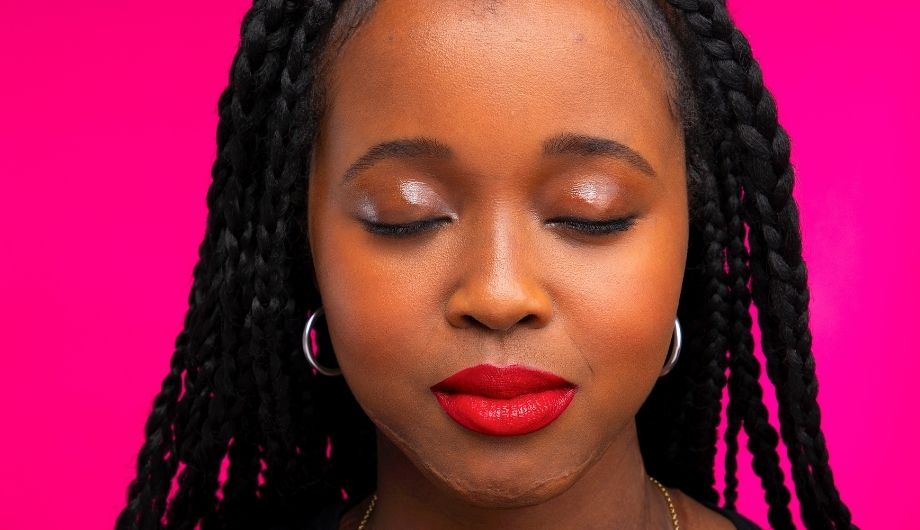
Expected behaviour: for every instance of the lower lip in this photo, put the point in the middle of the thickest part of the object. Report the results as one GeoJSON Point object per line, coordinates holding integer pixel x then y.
{"type": "Point", "coordinates": [506, 417]}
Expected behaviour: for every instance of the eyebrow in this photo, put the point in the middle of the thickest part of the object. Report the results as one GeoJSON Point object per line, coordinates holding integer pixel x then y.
{"type": "Point", "coordinates": [558, 145]}
{"type": "Point", "coordinates": [585, 145]}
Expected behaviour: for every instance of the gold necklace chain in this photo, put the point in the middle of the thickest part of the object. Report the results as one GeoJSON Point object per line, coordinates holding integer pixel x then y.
{"type": "Point", "coordinates": [367, 514]}
{"type": "Point", "coordinates": [667, 498]}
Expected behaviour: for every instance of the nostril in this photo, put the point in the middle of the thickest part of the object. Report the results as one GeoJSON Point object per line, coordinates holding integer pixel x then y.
{"type": "Point", "coordinates": [526, 320]}
{"type": "Point", "coordinates": [473, 321]}
{"type": "Point", "coordinates": [530, 317]}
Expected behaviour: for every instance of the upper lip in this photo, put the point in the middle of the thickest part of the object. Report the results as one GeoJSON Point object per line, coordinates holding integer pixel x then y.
{"type": "Point", "coordinates": [500, 382]}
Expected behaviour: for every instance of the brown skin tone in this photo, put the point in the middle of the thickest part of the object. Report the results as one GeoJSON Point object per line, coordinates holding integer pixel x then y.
{"type": "Point", "coordinates": [499, 280]}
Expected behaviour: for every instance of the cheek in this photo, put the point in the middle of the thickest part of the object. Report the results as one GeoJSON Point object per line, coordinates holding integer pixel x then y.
{"type": "Point", "coordinates": [380, 318]}
{"type": "Point", "coordinates": [619, 308]}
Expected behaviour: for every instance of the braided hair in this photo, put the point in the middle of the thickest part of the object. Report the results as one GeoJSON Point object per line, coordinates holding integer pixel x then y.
{"type": "Point", "coordinates": [242, 428]}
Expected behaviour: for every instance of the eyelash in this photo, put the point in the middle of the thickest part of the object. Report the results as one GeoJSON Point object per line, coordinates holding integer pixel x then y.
{"type": "Point", "coordinates": [594, 228]}
{"type": "Point", "coordinates": [405, 229]}
{"type": "Point", "coordinates": [605, 227]}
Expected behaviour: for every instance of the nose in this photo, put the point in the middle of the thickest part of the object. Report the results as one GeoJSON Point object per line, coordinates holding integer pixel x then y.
{"type": "Point", "coordinates": [499, 286]}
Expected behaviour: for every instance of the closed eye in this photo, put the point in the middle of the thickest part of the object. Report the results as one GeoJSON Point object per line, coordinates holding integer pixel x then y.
{"type": "Point", "coordinates": [603, 227]}
{"type": "Point", "coordinates": [587, 226]}
{"type": "Point", "coordinates": [403, 230]}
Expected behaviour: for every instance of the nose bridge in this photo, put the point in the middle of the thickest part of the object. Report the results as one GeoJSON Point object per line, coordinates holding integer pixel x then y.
{"type": "Point", "coordinates": [502, 259]}
{"type": "Point", "coordinates": [500, 285]}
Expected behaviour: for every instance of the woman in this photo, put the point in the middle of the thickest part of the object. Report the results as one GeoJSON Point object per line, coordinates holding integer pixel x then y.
{"type": "Point", "coordinates": [509, 237]}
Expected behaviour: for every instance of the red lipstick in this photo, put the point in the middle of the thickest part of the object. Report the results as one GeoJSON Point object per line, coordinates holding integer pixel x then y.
{"type": "Point", "coordinates": [503, 401]}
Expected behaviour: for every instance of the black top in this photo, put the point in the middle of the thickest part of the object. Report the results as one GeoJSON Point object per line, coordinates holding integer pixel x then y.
{"type": "Point", "coordinates": [328, 519]}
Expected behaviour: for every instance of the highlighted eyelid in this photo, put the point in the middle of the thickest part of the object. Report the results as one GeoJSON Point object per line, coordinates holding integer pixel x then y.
{"type": "Point", "coordinates": [411, 195]}
{"type": "Point", "coordinates": [418, 193]}
{"type": "Point", "coordinates": [593, 191]}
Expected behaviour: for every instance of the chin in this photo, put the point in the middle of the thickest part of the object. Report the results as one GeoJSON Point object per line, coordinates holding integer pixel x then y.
{"type": "Point", "coordinates": [503, 496]}
{"type": "Point", "coordinates": [491, 486]}
{"type": "Point", "coordinates": [492, 473]}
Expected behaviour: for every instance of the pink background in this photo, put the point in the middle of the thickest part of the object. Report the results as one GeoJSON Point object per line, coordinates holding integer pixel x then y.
{"type": "Point", "coordinates": [107, 138]}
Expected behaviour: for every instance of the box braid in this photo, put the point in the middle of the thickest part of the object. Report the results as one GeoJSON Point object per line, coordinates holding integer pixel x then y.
{"type": "Point", "coordinates": [239, 391]}
{"type": "Point", "coordinates": [779, 280]}
{"type": "Point", "coordinates": [745, 393]}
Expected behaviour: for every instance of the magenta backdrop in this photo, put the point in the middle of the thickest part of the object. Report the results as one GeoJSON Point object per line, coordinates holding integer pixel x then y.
{"type": "Point", "coordinates": [107, 138]}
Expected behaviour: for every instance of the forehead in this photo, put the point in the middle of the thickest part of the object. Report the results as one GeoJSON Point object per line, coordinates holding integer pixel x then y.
{"type": "Point", "coordinates": [497, 76]}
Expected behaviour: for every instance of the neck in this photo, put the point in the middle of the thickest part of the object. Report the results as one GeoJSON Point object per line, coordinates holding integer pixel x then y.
{"type": "Point", "coordinates": [614, 492]}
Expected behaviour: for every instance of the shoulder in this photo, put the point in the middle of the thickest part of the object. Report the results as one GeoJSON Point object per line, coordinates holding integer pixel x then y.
{"type": "Point", "coordinates": [697, 515]}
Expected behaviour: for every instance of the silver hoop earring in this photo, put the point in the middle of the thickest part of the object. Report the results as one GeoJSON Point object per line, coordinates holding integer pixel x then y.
{"type": "Point", "coordinates": [674, 352]}
{"type": "Point", "coordinates": [308, 351]}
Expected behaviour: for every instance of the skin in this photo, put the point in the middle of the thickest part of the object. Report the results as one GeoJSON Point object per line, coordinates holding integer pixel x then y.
{"type": "Point", "coordinates": [499, 280]}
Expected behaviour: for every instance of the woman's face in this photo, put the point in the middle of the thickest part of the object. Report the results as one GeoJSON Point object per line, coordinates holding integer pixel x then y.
{"type": "Point", "coordinates": [498, 279]}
